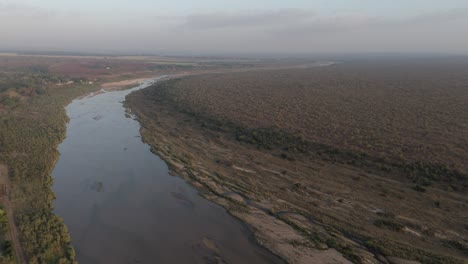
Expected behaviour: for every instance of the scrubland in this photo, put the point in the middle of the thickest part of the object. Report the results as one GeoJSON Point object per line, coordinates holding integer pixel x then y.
{"type": "Point", "coordinates": [34, 90]}
{"type": "Point", "coordinates": [358, 162]}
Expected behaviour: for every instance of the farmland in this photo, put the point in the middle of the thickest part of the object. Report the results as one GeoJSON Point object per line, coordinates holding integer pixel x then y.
{"type": "Point", "coordinates": [364, 159]}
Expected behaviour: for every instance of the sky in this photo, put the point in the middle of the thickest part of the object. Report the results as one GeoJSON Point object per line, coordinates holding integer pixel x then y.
{"type": "Point", "coordinates": [217, 27]}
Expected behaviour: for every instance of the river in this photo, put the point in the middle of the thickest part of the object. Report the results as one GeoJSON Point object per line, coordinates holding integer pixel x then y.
{"type": "Point", "coordinates": [121, 205]}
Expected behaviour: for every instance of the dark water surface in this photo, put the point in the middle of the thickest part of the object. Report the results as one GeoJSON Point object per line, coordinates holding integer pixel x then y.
{"type": "Point", "coordinates": [121, 205]}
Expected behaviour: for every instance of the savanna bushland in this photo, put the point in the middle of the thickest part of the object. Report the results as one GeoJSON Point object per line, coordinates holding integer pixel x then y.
{"type": "Point", "coordinates": [368, 159]}
{"type": "Point", "coordinates": [34, 91]}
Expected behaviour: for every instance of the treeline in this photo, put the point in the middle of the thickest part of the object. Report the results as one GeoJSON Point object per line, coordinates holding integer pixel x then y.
{"type": "Point", "coordinates": [171, 67]}
{"type": "Point", "coordinates": [30, 132]}
{"type": "Point", "coordinates": [423, 173]}
{"type": "Point", "coordinates": [45, 238]}
{"type": "Point", "coordinates": [420, 173]}
{"type": "Point", "coordinates": [34, 79]}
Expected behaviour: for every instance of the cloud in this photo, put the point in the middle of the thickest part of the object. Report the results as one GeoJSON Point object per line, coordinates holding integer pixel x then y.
{"type": "Point", "coordinates": [282, 30]}
{"type": "Point", "coordinates": [246, 20]}
{"type": "Point", "coordinates": [307, 31]}
{"type": "Point", "coordinates": [437, 17]}
{"type": "Point", "coordinates": [13, 12]}
{"type": "Point", "coordinates": [296, 21]}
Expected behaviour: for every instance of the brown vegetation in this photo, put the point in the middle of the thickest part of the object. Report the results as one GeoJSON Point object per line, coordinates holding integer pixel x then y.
{"type": "Point", "coordinates": [33, 93]}
{"type": "Point", "coordinates": [413, 113]}
{"type": "Point", "coordinates": [365, 159]}
{"type": "Point", "coordinates": [32, 124]}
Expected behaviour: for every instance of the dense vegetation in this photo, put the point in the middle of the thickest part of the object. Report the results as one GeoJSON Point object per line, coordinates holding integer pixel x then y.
{"type": "Point", "coordinates": [32, 124]}
{"type": "Point", "coordinates": [6, 250]}
{"type": "Point", "coordinates": [402, 123]}
{"type": "Point", "coordinates": [419, 172]}
{"type": "Point", "coordinates": [373, 152]}
{"type": "Point", "coordinates": [33, 94]}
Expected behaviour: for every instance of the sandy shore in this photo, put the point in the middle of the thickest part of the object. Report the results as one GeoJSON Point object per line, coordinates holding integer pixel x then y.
{"type": "Point", "coordinates": [119, 85]}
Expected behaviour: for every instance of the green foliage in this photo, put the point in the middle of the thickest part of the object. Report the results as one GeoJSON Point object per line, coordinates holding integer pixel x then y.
{"type": "Point", "coordinates": [29, 136]}
{"type": "Point", "coordinates": [45, 237]}
{"type": "Point", "coordinates": [3, 221]}
{"type": "Point", "coordinates": [7, 250]}
{"type": "Point", "coordinates": [387, 224]}
{"type": "Point", "coordinates": [28, 80]}
{"type": "Point", "coordinates": [388, 248]}
{"type": "Point", "coordinates": [462, 246]}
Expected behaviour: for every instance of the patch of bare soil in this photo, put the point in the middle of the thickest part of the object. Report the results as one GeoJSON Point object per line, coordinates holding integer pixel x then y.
{"type": "Point", "coordinates": [119, 85]}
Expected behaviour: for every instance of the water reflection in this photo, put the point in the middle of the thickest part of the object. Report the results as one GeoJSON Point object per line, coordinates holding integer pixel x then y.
{"type": "Point", "coordinates": [121, 205]}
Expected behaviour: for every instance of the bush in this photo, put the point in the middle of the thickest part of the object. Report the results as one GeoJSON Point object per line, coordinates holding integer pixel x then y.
{"type": "Point", "coordinates": [387, 224]}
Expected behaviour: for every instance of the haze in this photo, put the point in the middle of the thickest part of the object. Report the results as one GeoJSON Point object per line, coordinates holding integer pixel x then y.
{"type": "Point", "coordinates": [235, 27]}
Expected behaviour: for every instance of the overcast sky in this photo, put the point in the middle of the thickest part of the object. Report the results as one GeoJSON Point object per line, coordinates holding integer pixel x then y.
{"type": "Point", "coordinates": [236, 26]}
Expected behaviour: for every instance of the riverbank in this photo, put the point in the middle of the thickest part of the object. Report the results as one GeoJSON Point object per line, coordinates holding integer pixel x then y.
{"type": "Point", "coordinates": [30, 133]}
{"type": "Point", "coordinates": [119, 202]}
{"type": "Point", "coordinates": [303, 208]}
{"type": "Point", "coordinates": [33, 94]}
{"type": "Point", "coordinates": [191, 154]}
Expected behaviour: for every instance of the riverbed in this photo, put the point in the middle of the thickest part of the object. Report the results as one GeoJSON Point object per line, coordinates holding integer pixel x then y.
{"type": "Point", "coordinates": [121, 205]}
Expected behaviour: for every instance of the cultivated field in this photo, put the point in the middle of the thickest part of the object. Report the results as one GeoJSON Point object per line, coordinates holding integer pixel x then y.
{"type": "Point", "coordinates": [365, 159]}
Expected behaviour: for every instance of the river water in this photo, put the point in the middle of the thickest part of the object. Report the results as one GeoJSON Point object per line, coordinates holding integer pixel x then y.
{"type": "Point", "coordinates": [121, 205]}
